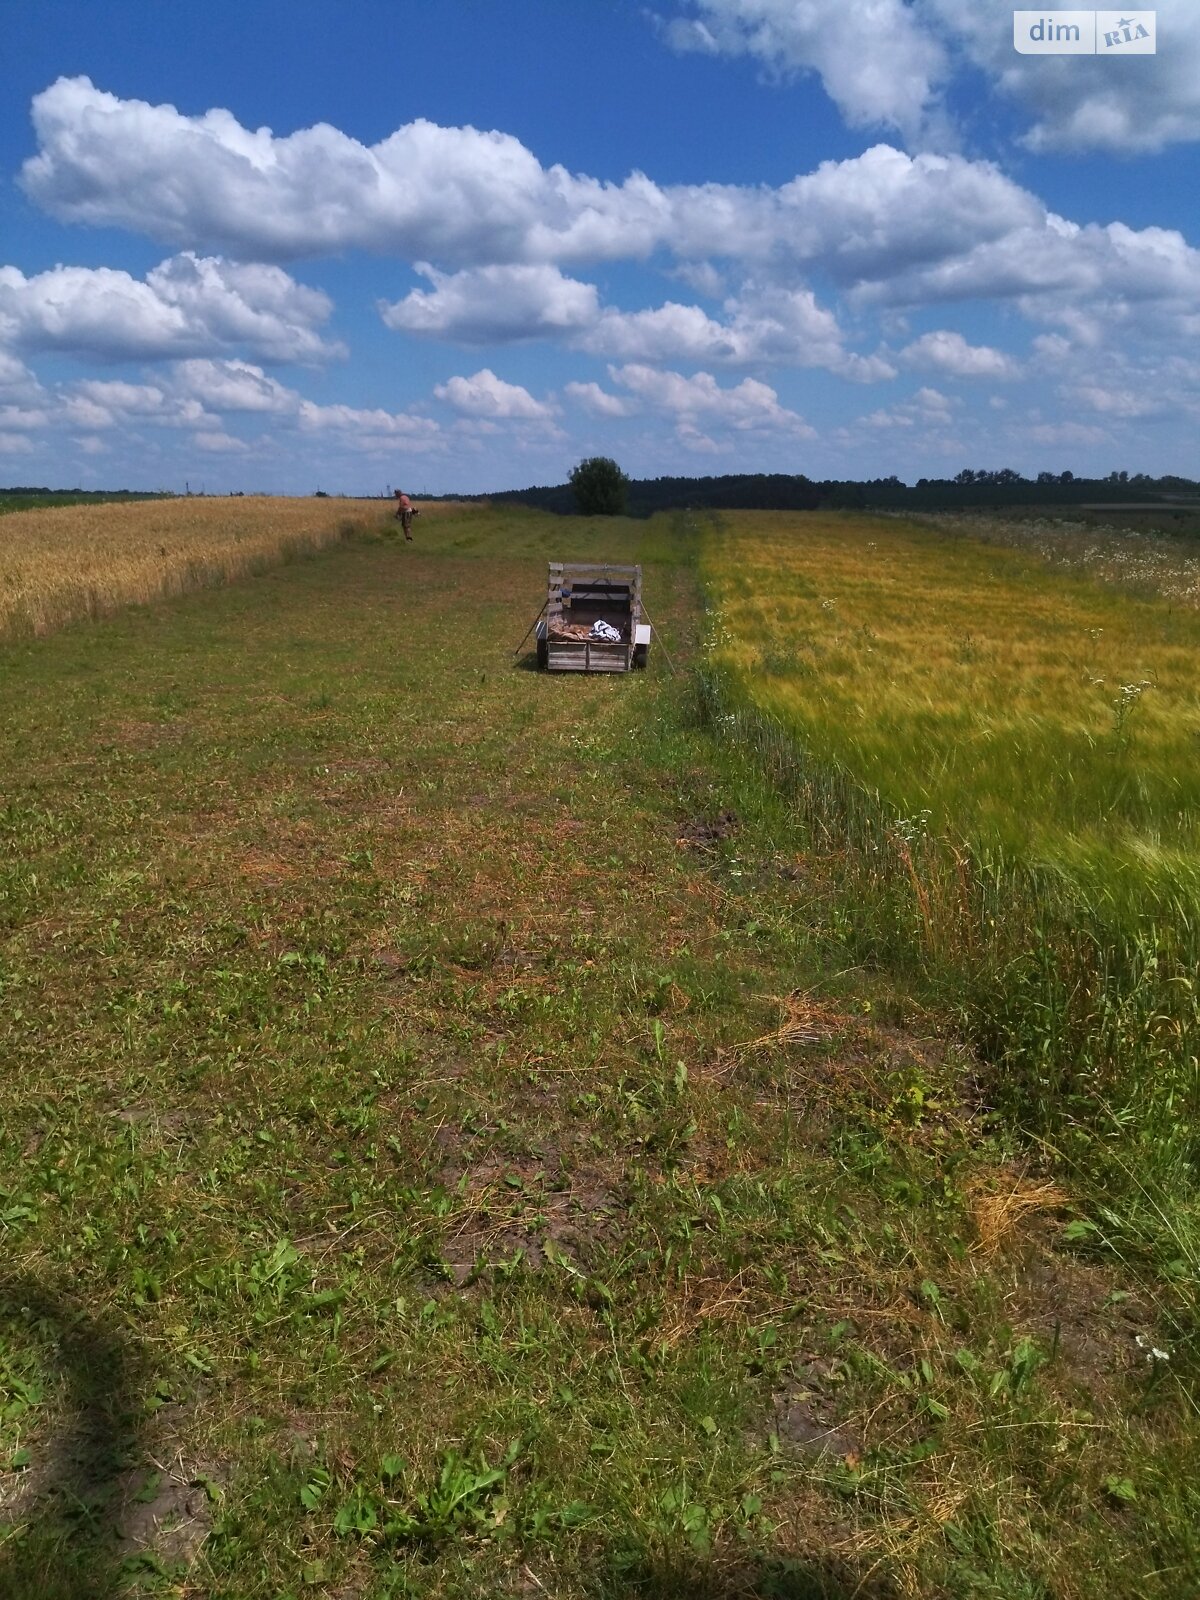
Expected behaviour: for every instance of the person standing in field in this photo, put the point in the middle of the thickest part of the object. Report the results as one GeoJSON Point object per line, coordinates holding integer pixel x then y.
{"type": "Point", "coordinates": [405, 512]}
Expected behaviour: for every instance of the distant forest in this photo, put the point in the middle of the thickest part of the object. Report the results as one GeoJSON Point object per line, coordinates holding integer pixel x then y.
{"type": "Point", "coordinates": [779, 491]}
{"type": "Point", "coordinates": [970, 490]}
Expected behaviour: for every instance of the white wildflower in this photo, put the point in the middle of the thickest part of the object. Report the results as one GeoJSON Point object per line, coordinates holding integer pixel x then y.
{"type": "Point", "coordinates": [1153, 1353]}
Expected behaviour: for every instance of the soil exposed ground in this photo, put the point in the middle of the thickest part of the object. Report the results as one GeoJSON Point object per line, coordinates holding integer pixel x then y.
{"type": "Point", "coordinates": [441, 1152]}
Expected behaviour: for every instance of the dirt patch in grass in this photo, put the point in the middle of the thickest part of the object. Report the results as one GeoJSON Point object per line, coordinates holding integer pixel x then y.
{"type": "Point", "coordinates": [804, 1419]}
{"type": "Point", "coordinates": [535, 1209]}
{"type": "Point", "coordinates": [698, 833]}
{"type": "Point", "coordinates": [825, 1064]}
{"type": "Point", "coordinates": [170, 1509]}
{"type": "Point", "coordinates": [1080, 1310]}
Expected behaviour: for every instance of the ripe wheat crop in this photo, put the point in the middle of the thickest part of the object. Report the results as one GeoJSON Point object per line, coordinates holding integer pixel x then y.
{"type": "Point", "coordinates": [59, 565]}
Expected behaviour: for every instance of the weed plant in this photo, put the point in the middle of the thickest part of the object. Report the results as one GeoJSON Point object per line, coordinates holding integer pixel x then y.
{"type": "Point", "coordinates": [1149, 559]}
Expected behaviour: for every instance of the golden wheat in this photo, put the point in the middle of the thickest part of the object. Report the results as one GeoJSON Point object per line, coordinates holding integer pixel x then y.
{"type": "Point", "coordinates": [61, 564]}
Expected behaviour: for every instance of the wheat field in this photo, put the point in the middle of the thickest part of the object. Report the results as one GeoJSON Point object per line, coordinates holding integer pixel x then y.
{"type": "Point", "coordinates": [63, 564]}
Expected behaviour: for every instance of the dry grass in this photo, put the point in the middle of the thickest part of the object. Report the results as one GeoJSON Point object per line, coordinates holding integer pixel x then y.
{"type": "Point", "coordinates": [62, 564]}
{"type": "Point", "coordinates": [803, 1020]}
{"type": "Point", "coordinates": [998, 1213]}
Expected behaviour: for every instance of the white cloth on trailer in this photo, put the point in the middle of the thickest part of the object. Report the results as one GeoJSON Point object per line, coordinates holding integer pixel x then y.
{"type": "Point", "coordinates": [605, 630]}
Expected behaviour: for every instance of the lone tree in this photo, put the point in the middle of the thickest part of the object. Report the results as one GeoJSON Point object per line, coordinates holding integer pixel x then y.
{"type": "Point", "coordinates": [600, 487]}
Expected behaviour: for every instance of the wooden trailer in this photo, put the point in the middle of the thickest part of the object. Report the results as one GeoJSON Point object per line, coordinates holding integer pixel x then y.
{"type": "Point", "coordinates": [586, 603]}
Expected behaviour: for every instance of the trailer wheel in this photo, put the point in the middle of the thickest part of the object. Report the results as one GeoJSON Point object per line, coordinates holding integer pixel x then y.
{"type": "Point", "coordinates": [543, 654]}
{"type": "Point", "coordinates": [640, 652]}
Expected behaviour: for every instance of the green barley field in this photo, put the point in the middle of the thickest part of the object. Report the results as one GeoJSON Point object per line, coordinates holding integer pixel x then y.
{"type": "Point", "coordinates": [1035, 712]}
{"type": "Point", "coordinates": [471, 1133]}
{"type": "Point", "coordinates": [998, 739]}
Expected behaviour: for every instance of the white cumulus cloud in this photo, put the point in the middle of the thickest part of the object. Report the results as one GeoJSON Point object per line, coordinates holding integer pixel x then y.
{"type": "Point", "coordinates": [496, 304]}
{"type": "Point", "coordinates": [948, 352]}
{"type": "Point", "coordinates": [1088, 103]}
{"type": "Point", "coordinates": [887, 63]}
{"type": "Point", "coordinates": [747, 405]}
{"type": "Point", "coordinates": [23, 417]}
{"type": "Point", "coordinates": [883, 213]}
{"type": "Point", "coordinates": [247, 304]}
{"type": "Point", "coordinates": [455, 196]}
{"type": "Point", "coordinates": [17, 383]}
{"type": "Point", "coordinates": [898, 228]}
{"type": "Point", "coordinates": [366, 426]}
{"type": "Point", "coordinates": [1114, 402]}
{"type": "Point", "coordinates": [764, 325]}
{"type": "Point", "coordinates": [95, 403]}
{"type": "Point", "coordinates": [875, 59]}
{"type": "Point", "coordinates": [219, 443]}
{"type": "Point", "coordinates": [186, 306]}
{"type": "Point", "coordinates": [425, 192]}
{"type": "Point", "coordinates": [233, 386]}
{"type": "Point", "coordinates": [1096, 281]}
{"type": "Point", "coordinates": [925, 408]}
{"type": "Point", "coordinates": [668, 332]}
{"type": "Point", "coordinates": [485, 395]}
{"type": "Point", "coordinates": [82, 412]}
{"type": "Point", "coordinates": [597, 400]}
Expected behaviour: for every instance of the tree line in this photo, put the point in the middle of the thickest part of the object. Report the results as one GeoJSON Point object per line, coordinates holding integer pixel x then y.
{"type": "Point", "coordinates": [777, 491]}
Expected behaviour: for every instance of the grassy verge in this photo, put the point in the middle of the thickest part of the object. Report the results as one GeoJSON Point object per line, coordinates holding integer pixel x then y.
{"type": "Point", "coordinates": [448, 1148]}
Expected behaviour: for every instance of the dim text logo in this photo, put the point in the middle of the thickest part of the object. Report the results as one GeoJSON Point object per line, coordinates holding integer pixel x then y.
{"type": "Point", "coordinates": [1084, 33]}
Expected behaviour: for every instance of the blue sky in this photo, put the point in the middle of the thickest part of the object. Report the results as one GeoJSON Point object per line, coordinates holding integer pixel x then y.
{"type": "Point", "coordinates": [460, 244]}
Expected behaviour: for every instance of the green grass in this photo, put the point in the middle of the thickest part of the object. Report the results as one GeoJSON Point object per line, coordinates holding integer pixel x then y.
{"type": "Point", "coordinates": [449, 1146]}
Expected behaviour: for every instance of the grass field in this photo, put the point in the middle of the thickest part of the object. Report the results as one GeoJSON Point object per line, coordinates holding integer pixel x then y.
{"type": "Point", "coordinates": [1039, 702]}
{"type": "Point", "coordinates": [449, 1144]}
{"type": "Point", "coordinates": [1130, 552]}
